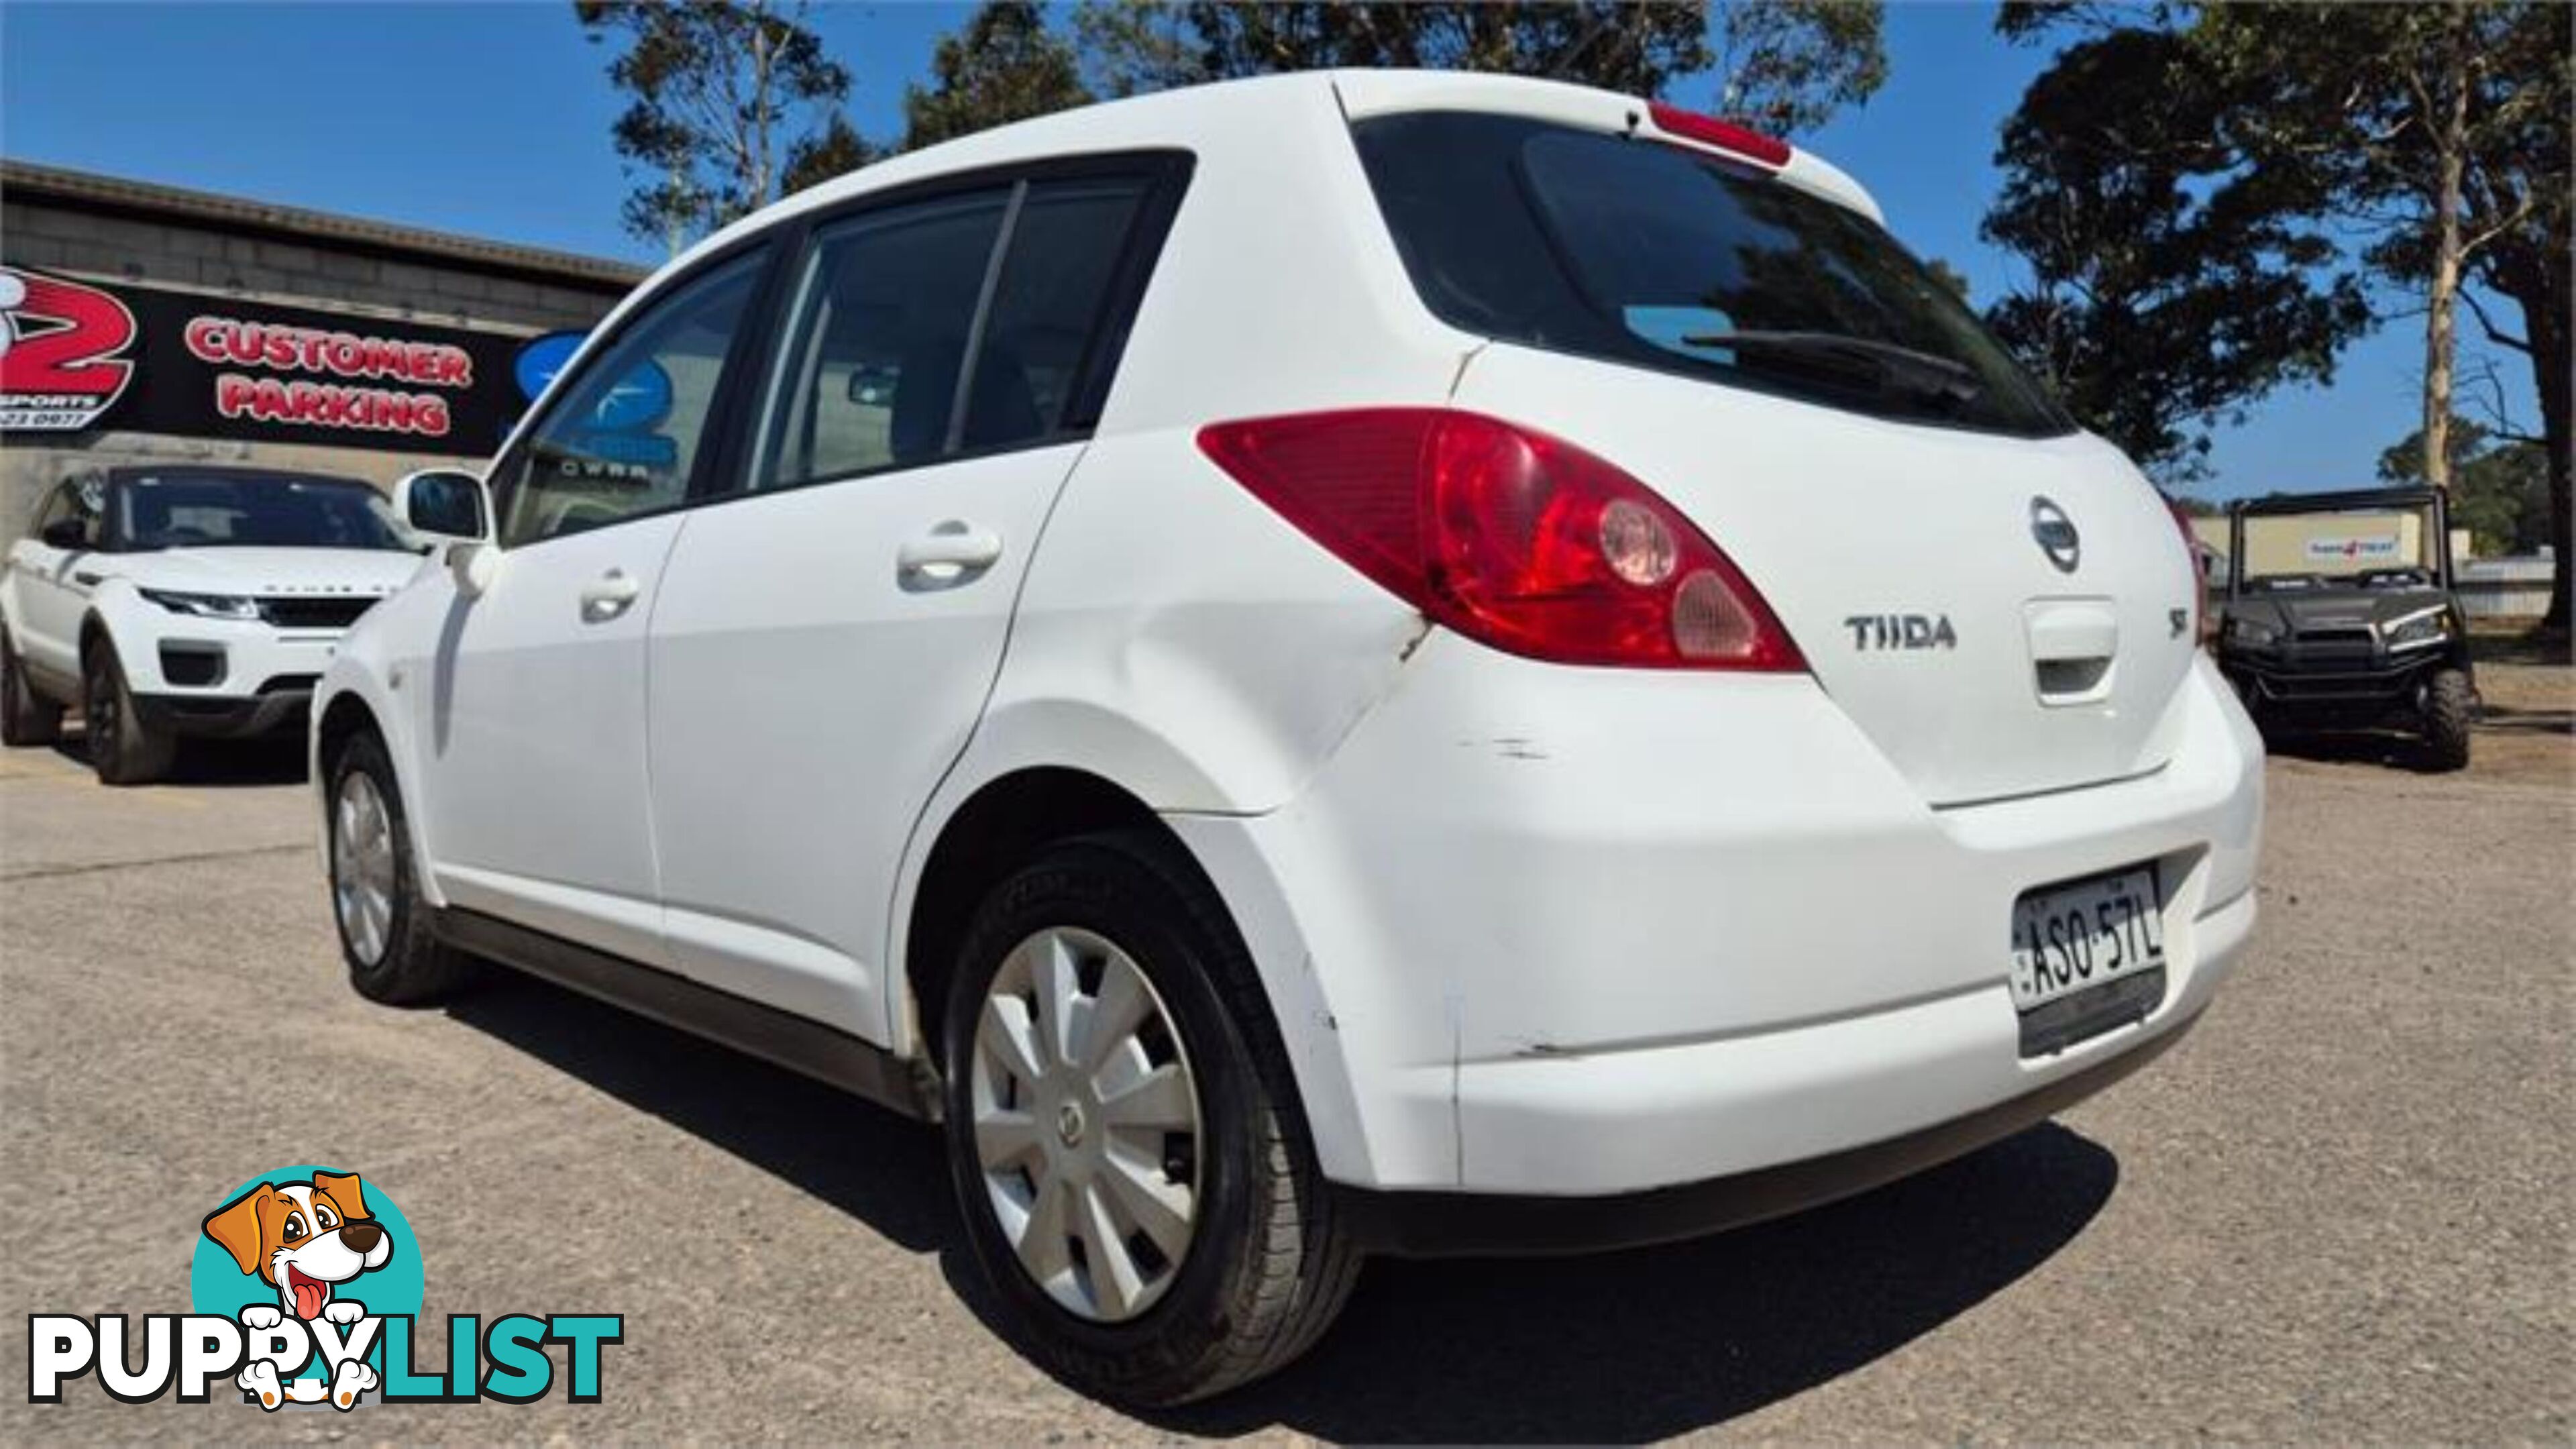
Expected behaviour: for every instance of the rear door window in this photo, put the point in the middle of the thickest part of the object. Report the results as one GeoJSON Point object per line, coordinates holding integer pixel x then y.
{"type": "Point", "coordinates": [1659, 256]}
{"type": "Point", "coordinates": [886, 321]}
{"type": "Point", "coordinates": [1048, 308]}
{"type": "Point", "coordinates": [884, 311]}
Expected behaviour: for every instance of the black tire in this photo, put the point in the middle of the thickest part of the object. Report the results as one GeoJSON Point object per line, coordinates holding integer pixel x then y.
{"type": "Point", "coordinates": [122, 748]}
{"type": "Point", "coordinates": [412, 967]}
{"type": "Point", "coordinates": [2450, 708]}
{"type": "Point", "coordinates": [1267, 1269]}
{"type": "Point", "coordinates": [26, 717]}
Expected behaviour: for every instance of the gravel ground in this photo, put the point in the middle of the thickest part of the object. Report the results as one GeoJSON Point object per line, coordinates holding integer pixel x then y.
{"type": "Point", "coordinates": [2340, 1212]}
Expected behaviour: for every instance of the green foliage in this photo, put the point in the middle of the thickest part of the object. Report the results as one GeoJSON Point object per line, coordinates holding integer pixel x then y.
{"type": "Point", "coordinates": [1788, 65]}
{"type": "Point", "coordinates": [836, 150]}
{"type": "Point", "coordinates": [2499, 488]}
{"type": "Point", "coordinates": [1146, 45]}
{"type": "Point", "coordinates": [2171, 284]}
{"type": "Point", "coordinates": [1948, 276]}
{"type": "Point", "coordinates": [1785, 65]}
{"type": "Point", "coordinates": [724, 99]}
{"type": "Point", "coordinates": [1003, 66]}
{"type": "Point", "coordinates": [2351, 116]}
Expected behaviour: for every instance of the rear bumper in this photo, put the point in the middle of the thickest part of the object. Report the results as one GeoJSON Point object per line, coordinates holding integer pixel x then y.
{"type": "Point", "coordinates": [1580, 935]}
{"type": "Point", "coordinates": [1471, 1224]}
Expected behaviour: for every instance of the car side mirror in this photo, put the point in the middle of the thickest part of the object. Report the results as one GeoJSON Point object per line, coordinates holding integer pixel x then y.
{"type": "Point", "coordinates": [70, 533]}
{"type": "Point", "coordinates": [444, 503]}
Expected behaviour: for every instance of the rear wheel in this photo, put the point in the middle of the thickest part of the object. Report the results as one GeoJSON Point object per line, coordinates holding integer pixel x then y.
{"type": "Point", "coordinates": [385, 932]}
{"type": "Point", "coordinates": [2450, 707]}
{"type": "Point", "coordinates": [122, 747]}
{"type": "Point", "coordinates": [1135, 1175]}
{"type": "Point", "coordinates": [26, 717]}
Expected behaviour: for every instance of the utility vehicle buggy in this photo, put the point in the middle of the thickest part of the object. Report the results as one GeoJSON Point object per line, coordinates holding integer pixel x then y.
{"type": "Point", "coordinates": [2340, 616]}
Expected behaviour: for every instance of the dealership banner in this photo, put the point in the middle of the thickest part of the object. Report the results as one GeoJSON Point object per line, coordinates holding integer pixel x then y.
{"type": "Point", "coordinates": [79, 355]}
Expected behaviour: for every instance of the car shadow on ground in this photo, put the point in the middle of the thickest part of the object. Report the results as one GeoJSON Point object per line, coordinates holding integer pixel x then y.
{"type": "Point", "coordinates": [2527, 721]}
{"type": "Point", "coordinates": [2353, 747]}
{"type": "Point", "coordinates": [1617, 1347]}
{"type": "Point", "coordinates": [273, 760]}
{"type": "Point", "coordinates": [1657, 1342]}
{"type": "Point", "coordinates": [881, 1168]}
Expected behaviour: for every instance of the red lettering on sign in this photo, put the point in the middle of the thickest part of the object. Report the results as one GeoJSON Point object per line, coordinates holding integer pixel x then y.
{"type": "Point", "coordinates": [281, 348]}
{"type": "Point", "coordinates": [76, 352]}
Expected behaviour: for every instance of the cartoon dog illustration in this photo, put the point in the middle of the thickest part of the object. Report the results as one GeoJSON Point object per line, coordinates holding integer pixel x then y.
{"type": "Point", "coordinates": [303, 1238]}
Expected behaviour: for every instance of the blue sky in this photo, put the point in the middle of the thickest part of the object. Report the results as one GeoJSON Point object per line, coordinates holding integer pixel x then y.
{"type": "Point", "coordinates": [492, 119]}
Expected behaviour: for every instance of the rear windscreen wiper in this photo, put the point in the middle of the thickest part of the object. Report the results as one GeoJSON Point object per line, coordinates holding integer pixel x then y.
{"type": "Point", "coordinates": [1923, 372]}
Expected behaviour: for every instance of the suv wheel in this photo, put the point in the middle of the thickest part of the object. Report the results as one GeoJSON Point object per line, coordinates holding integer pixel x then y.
{"type": "Point", "coordinates": [122, 748]}
{"type": "Point", "coordinates": [2450, 707]}
{"type": "Point", "coordinates": [1134, 1171]}
{"type": "Point", "coordinates": [385, 932]}
{"type": "Point", "coordinates": [26, 717]}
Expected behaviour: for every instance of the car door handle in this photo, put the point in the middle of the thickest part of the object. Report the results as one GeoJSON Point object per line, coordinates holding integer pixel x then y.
{"type": "Point", "coordinates": [606, 597]}
{"type": "Point", "coordinates": [85, 577]}
{"type": "Point", "coordinates": [949, 553]}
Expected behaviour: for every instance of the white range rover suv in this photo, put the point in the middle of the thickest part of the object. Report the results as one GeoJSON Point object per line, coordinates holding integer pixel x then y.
{"type": "Point", "coordinates": [1336, 664]}
{"type": "Point", "coordinates": [185, 599]}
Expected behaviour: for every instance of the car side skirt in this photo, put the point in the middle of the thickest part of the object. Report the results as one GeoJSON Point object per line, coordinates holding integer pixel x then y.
{"type": "Point", "coordinates": [797, 1043]}
{"type": "Point", "coordinates": [1414, 1224]}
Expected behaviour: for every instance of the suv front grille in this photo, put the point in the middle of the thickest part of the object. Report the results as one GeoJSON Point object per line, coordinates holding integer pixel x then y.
{"type": "Point", "coordinates": [317, 613]}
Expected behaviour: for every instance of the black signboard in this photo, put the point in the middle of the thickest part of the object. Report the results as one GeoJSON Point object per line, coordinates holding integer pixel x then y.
{"type": "Point", "coordinates": [78, 355]}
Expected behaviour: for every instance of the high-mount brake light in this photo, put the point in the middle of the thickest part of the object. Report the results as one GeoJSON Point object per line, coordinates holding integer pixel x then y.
{"type": "Point", "coordinates": [1771, 151]}
{"type": "Point", "coordinates": [1507, 535]}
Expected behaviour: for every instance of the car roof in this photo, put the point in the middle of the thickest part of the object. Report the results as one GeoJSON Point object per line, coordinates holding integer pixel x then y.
{"type": "Point", "coordinates": [1166, 118]}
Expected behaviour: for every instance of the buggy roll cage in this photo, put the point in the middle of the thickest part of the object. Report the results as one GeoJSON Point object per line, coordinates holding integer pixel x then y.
{"type": "Point", "coordinates": [2351, 500]}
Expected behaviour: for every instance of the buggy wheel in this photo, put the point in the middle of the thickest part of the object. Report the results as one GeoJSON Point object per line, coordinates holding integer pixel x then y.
{"type": "Point", "coordinates": [2450, 707]}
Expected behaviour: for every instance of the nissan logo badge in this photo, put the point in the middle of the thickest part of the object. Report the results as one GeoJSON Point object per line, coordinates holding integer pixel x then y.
{"type": "Point", "coordinates": [2056, 534]}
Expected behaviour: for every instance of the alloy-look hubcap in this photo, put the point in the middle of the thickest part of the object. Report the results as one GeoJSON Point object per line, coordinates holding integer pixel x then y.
{"type": "Point", "coordinates": [362, 866]}
{"type": "Point", "coordinates": [99, 711]}
{"type": "Point", "coordinates": [1086, 1123]}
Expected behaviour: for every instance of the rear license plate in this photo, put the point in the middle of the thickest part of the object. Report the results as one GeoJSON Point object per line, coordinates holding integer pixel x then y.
{"type": "Point", "coordinates": [2087, 955]}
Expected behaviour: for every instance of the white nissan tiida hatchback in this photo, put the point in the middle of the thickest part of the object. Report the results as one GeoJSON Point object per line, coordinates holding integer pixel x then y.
{"type": "Point", "coordinates": [1346, 663]}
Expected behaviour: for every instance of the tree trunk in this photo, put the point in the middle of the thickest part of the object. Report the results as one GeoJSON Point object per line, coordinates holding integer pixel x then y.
{"type": "Point", "coordinates": [2545, 322]}
{"type": "Point", "coordinates": [2539, 274]}
{"type": "Point", "coordinates": [2451, 132]}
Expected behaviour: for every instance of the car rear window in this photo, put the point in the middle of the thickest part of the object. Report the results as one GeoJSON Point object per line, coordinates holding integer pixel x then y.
{"type": "Point", "coordinates": [1644, 253]}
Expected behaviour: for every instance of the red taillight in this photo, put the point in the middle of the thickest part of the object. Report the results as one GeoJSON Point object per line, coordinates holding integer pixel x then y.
{"type": "Point", "coordinates": [2201, 626]}
{"type": "Point", "coordinates": [1710, 131]}
{"type": "Point", "coordinates": [1509, 536]}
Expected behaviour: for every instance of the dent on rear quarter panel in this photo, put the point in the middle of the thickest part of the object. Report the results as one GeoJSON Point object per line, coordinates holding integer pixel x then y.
{"type": "Point", "coordinates": [1173, 635]}
{"type": "Point", "coordinates": [1165, 598]}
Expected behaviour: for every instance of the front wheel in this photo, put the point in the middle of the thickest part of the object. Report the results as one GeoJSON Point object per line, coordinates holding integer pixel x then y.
{"type": "Point", "coordinates": [2450, 707]}
{"type": "Point", "coordinates": [123, 747]}
{"type": "Point", "coordinates": [1137, 1183]}
{"type": "Point", "coordinates": [26, 717]}
{"type": "Point", "coordinates": [385, 934]}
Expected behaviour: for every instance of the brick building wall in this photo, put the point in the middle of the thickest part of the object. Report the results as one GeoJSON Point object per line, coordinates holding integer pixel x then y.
{"type": "Point", "coordinates": [112, 232]}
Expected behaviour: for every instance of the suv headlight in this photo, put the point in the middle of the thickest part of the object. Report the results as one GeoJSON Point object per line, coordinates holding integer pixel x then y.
{"type": "Point", "coordinates": [2250, 631]}
{"type": "Point", "coordinates": [205, 606]}
{"type": "Point", "coordinates": [2428, 627]}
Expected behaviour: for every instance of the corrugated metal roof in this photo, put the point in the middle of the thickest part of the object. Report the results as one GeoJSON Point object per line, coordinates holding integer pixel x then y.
{"type": "Point", "coordinates": [85, 189]}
